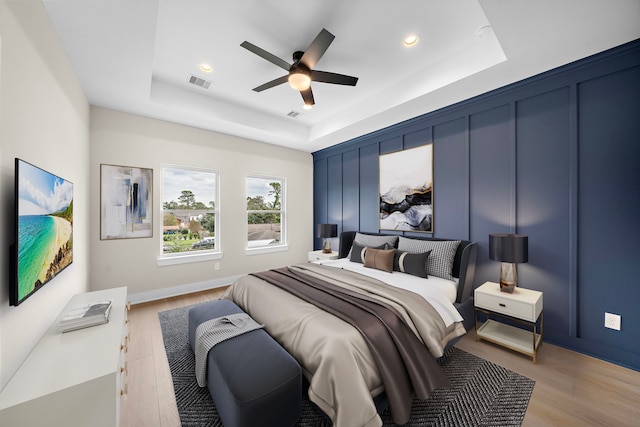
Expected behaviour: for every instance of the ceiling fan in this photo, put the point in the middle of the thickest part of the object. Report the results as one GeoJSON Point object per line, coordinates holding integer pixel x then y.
{"type": "Point", "coordinates": [301, 72]}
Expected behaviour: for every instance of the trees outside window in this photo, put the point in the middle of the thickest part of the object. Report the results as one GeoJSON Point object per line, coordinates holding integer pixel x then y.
{"type": "Point", "coordinates": [265, 212]}
{"type": "Point", "coordinates": [189, 210]}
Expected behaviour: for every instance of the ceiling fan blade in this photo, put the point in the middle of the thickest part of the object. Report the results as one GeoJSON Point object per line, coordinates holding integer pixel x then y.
{"type": "Point", "coordinates": [272, 83]}
{"type": "Point", "coordinates": [317, 48]}
{"type": "Point", "coordinates": [307, 95]}
{"type": "Point", "coordinates": [339, 79]}
{"type": "Point", "coordinates": [266, 55]}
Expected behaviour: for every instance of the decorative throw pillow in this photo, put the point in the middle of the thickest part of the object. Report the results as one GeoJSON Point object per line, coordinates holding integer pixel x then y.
{"type": "Point", "coordinates": [358, 252]}
{"type": "Point", "coordinates": [371, 241]}
{"type": "Point", "coordinates": [440, 261]}
{"type": "Point", "coordinates": [374, 241]}
{"type": "Point", "coordinates": [415, 264]}
{"type": "Point", "coordinates": [380, 259]}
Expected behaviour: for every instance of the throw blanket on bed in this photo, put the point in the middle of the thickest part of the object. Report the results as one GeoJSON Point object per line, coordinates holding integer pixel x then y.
{"type": "Point", "coordinates": [335, 358]}
{"type": "Point", "coordinates": [405, 364]}
{"type": "Point", "coordinates": [215, 331]}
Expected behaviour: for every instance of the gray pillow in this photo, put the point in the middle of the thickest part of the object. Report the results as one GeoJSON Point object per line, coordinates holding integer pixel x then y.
{"type": "Point", "coordinates": [440, 261]}
{"type": "Point", "coordinates": [414, 264]}
{"type": "Point", "coordinates": [358, 251]}
{"type": "Point", "coordinates": [374, 241]}
{"type": "Point", "coordinates": [368, 240]}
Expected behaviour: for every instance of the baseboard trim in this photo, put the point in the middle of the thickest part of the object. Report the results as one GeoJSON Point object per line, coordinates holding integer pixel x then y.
{"type": "Point", "coordinates": [180, 290]}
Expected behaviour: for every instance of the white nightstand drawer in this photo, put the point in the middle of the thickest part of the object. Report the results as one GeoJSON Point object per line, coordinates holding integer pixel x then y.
{"type": "Point", "coordinates": [525, 304]}
{"type": "Point", "coordinates": [510, 308]}
{"type": "Point", "coordinates": [319, 255]}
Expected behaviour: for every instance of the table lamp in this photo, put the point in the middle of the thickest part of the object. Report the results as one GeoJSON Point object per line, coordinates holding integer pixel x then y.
{"type": "Point", "coordinates": [326, 232]}
{"type": "Point", "coordinates": [509, 249]}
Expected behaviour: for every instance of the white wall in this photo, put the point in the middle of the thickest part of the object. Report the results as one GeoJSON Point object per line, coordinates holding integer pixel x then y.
{"type": "Point", "coordinates": [125, 139]}
{"type": "Point", "coordinates": [44, 119]}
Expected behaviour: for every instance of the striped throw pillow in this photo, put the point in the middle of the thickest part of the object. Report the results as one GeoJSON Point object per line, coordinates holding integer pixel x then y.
{"type": "Point", "coordinates": [414, 264]}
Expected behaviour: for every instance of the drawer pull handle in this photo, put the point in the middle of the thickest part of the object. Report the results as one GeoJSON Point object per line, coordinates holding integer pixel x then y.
{"type": "Point", "coordinates": [502, 305]}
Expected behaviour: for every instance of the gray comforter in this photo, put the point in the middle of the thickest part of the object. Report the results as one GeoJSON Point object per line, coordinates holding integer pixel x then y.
{"type": "Point", "coordinates": [334, 356]}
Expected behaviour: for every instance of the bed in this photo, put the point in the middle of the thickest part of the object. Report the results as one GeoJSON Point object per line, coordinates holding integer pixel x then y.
{"type": "Point", "coordinates": [349, 379]}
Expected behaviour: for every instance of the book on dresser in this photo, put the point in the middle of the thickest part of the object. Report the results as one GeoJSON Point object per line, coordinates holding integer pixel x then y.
{"type": "Point", "coordinates": [85, 316]}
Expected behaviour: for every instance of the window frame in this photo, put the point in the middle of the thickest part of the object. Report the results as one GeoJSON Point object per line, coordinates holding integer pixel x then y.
{"type": "Point", "coordinates": [284, 244]}
{"type": "Point", "coordinates": [165, 259]}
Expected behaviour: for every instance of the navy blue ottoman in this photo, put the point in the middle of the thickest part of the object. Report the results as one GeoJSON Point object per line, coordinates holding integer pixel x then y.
{"type": "Point", "coordinates": [253, 381]}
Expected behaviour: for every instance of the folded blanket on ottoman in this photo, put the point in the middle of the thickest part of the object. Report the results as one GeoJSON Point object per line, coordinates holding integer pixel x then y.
{"type": "Point", "coordinates": [215, 331]}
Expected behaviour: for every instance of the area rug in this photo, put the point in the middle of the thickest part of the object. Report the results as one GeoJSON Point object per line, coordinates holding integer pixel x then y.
{"type": "Point", "coordinates": [481, 394]}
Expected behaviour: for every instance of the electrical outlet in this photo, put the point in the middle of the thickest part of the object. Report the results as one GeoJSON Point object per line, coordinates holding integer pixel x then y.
{"type": "Point", "coordinates": [216, 266]}
{"type": "Point", "coordinates": [612, 321]}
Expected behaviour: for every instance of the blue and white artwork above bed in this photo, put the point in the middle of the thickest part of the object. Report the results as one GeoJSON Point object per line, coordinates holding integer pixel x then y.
{"type": "Point", "coordinates": [406, 190]}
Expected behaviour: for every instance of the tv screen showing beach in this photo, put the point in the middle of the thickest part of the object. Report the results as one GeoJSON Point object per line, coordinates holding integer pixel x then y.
{"type": "Point", "coordinates": [44, 228]}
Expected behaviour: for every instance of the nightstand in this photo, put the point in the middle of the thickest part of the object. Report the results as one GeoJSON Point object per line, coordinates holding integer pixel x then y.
{"type": "Point", "coordinates": [523, 306]}
{"type": "Point", "coordinates": [319, 255]}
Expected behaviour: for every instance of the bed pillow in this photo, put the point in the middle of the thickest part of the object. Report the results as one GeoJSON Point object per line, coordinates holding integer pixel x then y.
{"type": "Point", "coordinates": [358, 251]}
{"type": "Point", "coordinates": [414, 264]}
{"type": "Point", "coordinates": [371, 241]}
{"type": "Point", "coordinates": [440, 261]}
{"type": "Point", "coordinates": [374, 241]}
{"type": "Point", "coordinates": [380, 259]}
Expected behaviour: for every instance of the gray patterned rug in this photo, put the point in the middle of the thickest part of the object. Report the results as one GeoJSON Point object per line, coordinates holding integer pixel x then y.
{"type": "Point", "coordinates": [482, 393]}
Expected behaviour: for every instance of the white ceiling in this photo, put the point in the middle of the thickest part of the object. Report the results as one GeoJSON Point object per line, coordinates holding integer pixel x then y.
{"type": "Point", "coordinates": [138, 55]}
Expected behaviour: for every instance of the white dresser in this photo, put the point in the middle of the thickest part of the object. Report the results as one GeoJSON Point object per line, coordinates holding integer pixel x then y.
{"type": "Point", "coordinates": [75, 379]}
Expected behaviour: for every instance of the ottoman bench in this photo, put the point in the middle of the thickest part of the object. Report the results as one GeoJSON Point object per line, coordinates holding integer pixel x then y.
{"type": "Point", "coordinates": [253, 381]}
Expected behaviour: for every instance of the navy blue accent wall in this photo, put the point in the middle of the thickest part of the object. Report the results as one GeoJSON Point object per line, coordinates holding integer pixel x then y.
{"type": "Point", "coordinates": [556, 157]}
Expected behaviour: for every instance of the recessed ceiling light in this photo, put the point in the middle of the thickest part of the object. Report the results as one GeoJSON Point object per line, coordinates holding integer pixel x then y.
{"type": "Point", "coordinates": [410, 40]}
{"type": "Point", "coordinates": [206, 67]}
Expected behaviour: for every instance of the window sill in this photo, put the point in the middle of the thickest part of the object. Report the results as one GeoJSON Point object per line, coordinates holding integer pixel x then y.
{"type": "Point", "coordinates": [266, 249]}
{"type": "Point", "coordinates": [187, 258]}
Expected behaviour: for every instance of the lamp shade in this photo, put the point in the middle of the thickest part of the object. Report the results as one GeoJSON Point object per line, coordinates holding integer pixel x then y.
{"type": "Point", "coordinates": [327, 230]}
{"type": "Point", "coordinates": [513, 248]}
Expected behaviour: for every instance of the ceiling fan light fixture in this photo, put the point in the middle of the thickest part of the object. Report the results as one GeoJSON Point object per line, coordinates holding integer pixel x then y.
{"type": "Point", "coordinates": [307, 106]}
{"type": "Point", "coordinates": [299, 80]}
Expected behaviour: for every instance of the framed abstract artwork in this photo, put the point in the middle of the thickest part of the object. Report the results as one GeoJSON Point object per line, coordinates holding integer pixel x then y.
{"type": "Point", "coordinates": [126, 197]}
{"type": "Point", "coordinates": [406, 190]}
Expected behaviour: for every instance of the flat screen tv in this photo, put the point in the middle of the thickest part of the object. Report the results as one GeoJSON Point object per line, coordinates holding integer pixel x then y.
{"type": "Point", "coordinates": [44, 229]}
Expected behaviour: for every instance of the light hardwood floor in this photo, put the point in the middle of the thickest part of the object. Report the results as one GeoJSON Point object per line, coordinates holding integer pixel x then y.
{"type": "Point", "coordinates": [571, 389]}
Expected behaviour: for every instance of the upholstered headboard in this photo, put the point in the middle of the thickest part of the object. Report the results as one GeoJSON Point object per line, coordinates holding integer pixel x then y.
{"type": "Point", "coordinates": [464, 263]}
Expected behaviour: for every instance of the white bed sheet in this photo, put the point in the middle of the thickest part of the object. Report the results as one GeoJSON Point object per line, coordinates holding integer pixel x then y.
{"type": "Point", "coordinates": [440, 293]}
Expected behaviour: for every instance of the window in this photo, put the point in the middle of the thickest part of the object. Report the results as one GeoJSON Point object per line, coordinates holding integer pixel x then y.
{"type": "Point", "coordinates": [190, 215]}
{"type": "Point", "coordinates": [266, 225]}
